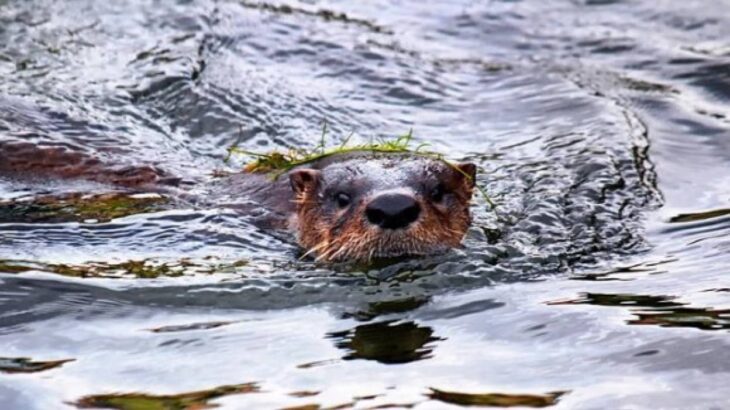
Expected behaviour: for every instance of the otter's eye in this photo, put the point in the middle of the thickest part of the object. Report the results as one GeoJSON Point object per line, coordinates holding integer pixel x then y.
{"type": "Point", "coordinates": [343, 200]}
{"type": "Point", "coordinates": [437, 194]}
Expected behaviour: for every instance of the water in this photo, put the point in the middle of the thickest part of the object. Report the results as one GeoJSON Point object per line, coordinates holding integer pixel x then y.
{"type": "Point", "coordinates": [601, 130]}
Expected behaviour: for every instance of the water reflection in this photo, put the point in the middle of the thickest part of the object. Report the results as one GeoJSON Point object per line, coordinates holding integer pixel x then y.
{"type": "Point", "coordinates": [385, 307]}
{"type": "Point", "coordinates": [386, 342]}
{"type": "Point", "coordinates": [698, 318]}
{"type": "Point", "coordinates": [625, 273]}
{"type": "Point", "coordinates": [661, 311]}
{"type": "Point", "coordinates": [628, 300]}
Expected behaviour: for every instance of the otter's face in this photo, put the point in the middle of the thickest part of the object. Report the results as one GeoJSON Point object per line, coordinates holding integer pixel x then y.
{"type": "Point", "coordinates": [362, 209]}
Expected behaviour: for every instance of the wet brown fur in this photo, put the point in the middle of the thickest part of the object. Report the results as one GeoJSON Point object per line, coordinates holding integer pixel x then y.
{"type": "Point", "coordinates": [349, 236]}
{"type": "Point", "coordinates": [29, 159]}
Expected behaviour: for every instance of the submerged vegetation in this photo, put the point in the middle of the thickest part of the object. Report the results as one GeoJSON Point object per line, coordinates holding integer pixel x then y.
{"type": "Point", "coordinates": [278, 163]}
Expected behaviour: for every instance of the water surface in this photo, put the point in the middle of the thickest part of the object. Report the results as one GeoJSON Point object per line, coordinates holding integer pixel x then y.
{"type": "Point", "coordinates": [600, 128]}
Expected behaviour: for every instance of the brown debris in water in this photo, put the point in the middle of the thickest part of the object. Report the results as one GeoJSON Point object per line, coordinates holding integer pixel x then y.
{"type": "Point", "coordinates": [318, 363]}
{"type": "Point", "coordinates": [139, 269]}
{"type": "Point", "coordinates": [13, 267]}
{"type": "Point", "coordinates": [191, 326]}
{"type": "Point", "coordinates": [196, 400]}
{"type": "Point", "coordinates": [27, 365]}
{"type": "Point", "coordinates": [304, 407]}
{"type": "Point", "coordinates": [496, 399]}
{"type": "Point", "coordinates": [699, 216]}
{"type": "Point", "coordinates": [303, 393]}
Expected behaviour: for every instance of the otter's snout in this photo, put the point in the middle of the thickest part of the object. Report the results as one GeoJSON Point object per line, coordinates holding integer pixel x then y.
{"type": "Point", "coordinates": [392, 211]}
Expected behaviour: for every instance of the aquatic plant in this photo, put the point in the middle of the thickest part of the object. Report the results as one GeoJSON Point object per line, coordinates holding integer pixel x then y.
{"type": "Point", "coordinates": [278, 163]}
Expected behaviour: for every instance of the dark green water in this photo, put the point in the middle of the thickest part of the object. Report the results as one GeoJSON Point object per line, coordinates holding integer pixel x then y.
{"type": "Point", "coordinates": [601, 129]}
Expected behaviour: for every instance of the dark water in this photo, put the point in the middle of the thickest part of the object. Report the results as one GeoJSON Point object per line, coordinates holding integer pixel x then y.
{"type": "Point", "coordinates": [601, 129]}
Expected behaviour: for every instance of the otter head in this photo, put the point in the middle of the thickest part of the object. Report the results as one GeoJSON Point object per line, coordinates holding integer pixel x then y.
{"type": "Point", "coordinates": [360, 209]}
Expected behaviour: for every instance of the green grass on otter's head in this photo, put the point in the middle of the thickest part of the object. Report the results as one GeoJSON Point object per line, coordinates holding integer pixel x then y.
{"type": "Point", "coordinates": [278, 163]}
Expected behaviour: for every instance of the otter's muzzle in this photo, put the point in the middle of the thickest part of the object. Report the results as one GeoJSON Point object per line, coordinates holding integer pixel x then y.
{"type": "Point", "coordinates": [393, 211]}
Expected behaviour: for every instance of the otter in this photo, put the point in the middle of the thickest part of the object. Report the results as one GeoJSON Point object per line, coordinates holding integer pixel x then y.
{"type": "Point", "coordinates": [354, 206]}
{"type": "Point", "coordinates": [376, 207]}
{"type": "Point", "coordinates": [364, 205]}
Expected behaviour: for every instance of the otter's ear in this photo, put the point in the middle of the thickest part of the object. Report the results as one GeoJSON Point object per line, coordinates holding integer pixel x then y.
{"type": "Point", "coordinates": [468, 171]}
{"type": "Point", "coordinates": [303, 180]}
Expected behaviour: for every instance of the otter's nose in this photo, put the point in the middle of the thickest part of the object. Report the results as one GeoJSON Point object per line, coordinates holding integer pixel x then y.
{"type": "Point", "coordinates": [392, 211]}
